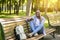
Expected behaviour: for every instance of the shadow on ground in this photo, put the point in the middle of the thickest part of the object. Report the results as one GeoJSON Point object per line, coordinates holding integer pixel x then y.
{"type": "Point", "coordinates": [49, 37]}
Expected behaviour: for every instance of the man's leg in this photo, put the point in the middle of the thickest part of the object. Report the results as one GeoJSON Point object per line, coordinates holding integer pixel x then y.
{"type": "Point", "coordinates": [42, 31]}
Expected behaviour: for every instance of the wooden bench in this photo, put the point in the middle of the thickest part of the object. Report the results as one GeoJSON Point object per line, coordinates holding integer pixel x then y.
{"type": "Point", "coordinates": [54, 21]}
{"type": "Point", "coordinates": [8, 27]}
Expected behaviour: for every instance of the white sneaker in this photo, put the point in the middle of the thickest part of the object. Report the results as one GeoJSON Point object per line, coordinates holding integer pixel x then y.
{"type": "Point", "coordinates": [35, 34]}
{"type": "Point", "coordinates": [44, 33]}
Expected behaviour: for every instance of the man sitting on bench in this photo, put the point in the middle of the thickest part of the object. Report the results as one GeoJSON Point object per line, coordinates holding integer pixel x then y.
{"type": "Point", "coordinates": [37, 24]}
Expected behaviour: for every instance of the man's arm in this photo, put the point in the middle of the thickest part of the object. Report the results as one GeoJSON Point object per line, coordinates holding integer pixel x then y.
{"type": "Point", "coordinates": [32, 25]}
{"type": "Point", "coordinates": [39, 26]}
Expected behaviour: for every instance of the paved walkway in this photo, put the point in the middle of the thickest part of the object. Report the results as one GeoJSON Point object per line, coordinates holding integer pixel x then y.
{"type": "Point", "coordinates": [49, 37]}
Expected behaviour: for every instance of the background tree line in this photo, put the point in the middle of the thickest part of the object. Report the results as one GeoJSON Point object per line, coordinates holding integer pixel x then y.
{"type": "Point", "coordinates": [9, 5]}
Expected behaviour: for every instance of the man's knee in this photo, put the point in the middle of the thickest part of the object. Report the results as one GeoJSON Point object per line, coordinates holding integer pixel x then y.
{"type": "Point", "coordinates": [40, 31]}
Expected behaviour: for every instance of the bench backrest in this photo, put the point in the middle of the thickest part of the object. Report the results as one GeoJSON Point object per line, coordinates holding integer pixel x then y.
{"type": "Point", "coordinates": [54, 19]}
{"type": "Point", "coordinates": [9, 26]}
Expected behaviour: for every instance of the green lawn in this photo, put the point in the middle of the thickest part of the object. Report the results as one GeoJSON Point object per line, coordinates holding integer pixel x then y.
{"type": "Point", "coordinates": [0, 35]}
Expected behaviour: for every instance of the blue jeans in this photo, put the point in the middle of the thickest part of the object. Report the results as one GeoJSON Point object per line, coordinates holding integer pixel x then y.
{"type": "Point", "coordinates": [41, 31]}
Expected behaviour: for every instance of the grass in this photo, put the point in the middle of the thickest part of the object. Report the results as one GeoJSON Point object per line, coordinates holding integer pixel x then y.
{"type": "Point", "coordinates": [6, 15]}
{"type": "Point", "coordinates": [0, 36]}
{"type": "Point", "coordinates": [46, 25]}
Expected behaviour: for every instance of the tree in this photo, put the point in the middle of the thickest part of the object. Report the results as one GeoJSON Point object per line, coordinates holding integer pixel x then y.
{"type": "Point", "coordinates": [2, 2]}
{"type": "Point", "coordinates": [46, 5]}
{"type": "Point", "coordinates": [37, 4]}
{"type": "Point", "coordinates": [0, 9]}
{"type": "Point", "coordinates": [33, 3]}
{"type": "Point", "coordinates": [17, 7]}
{"type": "Point", "coordinates": [10, 6]}
{"type": "Point", "coordinates": [22, 2]}
{"type": "Point", "coordinates": [28, 7]}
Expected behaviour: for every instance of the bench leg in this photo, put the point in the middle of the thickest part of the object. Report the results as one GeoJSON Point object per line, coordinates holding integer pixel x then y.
{"type": "Point", "coordinates": [53, 34]}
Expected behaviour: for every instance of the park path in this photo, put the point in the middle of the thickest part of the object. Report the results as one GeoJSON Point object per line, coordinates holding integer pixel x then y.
{"type": "Point", "coordinates": [49, 37]}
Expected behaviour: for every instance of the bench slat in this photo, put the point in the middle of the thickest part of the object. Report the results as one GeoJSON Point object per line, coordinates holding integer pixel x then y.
{"type": "Point", "coordinates": [48, 31]}
{"type": "Point", "coordinates": [8, 34]}
{"type": "Point", "coordinates": [7, 25]}
{"type": "Point", "coordinates": [9, 37]}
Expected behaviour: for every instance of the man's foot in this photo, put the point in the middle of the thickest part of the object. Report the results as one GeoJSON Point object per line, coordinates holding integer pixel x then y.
{"type": "Point", "coordinates": [44, 33]}
{"type": "Point", "coordinates": [36, 34]}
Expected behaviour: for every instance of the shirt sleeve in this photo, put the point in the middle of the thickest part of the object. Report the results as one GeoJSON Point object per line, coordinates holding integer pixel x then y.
{"type": "Point", "coordinates": [32, 25]}
{"type": "Point", "coordinates": [39, 26]}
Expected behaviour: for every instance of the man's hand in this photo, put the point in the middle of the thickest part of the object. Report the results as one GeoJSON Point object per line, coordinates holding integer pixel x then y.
{"type": "Point", "coordinates": [30, 19]}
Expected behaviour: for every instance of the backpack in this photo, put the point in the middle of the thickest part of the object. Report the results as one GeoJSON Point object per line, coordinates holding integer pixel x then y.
{"type": "Point", "coordinates": [20, 32]}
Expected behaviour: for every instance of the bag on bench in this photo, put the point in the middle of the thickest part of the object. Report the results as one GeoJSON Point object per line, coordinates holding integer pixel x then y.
{"type": "Point", "coordinates": [20, 32]}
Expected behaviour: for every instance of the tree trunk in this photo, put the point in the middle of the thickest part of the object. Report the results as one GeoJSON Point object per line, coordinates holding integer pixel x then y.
{"type": "Point", "coordinates": [2, 6]}
{"type": "Point", "coordinates": [10, 6]}
{"type": "Point", "coordinates": [14, 7]}
{"type": "Point", "coordinates": [46, 6]}
{"type": "Point", "coordinates": [32, 6]}
{"type": "Point", "coordinates": [22, 5]}
{"type": "Point", "coordinates": [0, 9]}
{"type": "Point", "coordinates": [37, 4]}
{"type": "Point", "coordinates": [7, 7]}
{"type": "Point", "coordinates": [28, 7]}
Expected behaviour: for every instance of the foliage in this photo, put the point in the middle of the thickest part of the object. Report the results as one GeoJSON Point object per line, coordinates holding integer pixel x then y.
{"type": "Point", "coordinates": [2, 1]}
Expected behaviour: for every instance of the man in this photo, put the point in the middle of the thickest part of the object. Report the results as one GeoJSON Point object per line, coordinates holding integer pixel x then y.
{"type": "Point", "coordinates": [37, 24]}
